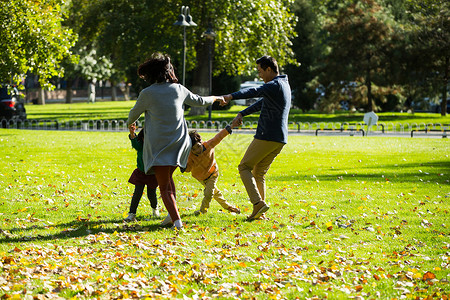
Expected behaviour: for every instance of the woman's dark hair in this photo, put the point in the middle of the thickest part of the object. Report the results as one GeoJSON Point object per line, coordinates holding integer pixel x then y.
{"type": "Point", "coordinates": [157, 69]}
{"type": "Point", "coordinates": [195, 137]}
{"type": "Point", "coordinates": [140, 136]}
{"type": "Point", "coordinates": [268, 61]}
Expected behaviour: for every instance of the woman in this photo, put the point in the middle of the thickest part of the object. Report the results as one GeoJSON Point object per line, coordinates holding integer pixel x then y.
{"type": "Point", "coordinates": [167, 143]}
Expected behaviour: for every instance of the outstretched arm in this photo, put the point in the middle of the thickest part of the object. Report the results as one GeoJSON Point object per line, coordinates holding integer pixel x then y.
{"type": "Point", "coordinates": [219, 137]}
{"type": "Point", "coordinates": [196, 100]}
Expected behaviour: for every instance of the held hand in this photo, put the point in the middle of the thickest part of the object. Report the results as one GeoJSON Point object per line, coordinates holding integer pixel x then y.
{"type": "Point", "coordinates": [237, 121]}
{"type": "Point", "coordinates": [225, 100]}
{"type": "Point", "coordinates": [220, 99]}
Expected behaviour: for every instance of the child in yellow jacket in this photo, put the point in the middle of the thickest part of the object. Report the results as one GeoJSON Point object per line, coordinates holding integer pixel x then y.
{"type": "Point", "coordinates": [204, 168]}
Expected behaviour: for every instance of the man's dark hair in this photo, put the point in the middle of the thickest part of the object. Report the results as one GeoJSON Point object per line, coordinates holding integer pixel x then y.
{"type": "Point", "coordinates": [157, 69]}
{"type": "Point", "coordinates": [195, 137]}
{"type": "Point", "coordinates": [268, 61]}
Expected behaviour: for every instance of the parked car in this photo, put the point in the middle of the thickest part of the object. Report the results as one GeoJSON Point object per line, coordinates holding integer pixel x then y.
{"type": "Point", "coordinates": [11, 105]}
{"type": "Point", "coordinates": [438, 107]}
{"type": "Point", "coordinates": [428, 105]}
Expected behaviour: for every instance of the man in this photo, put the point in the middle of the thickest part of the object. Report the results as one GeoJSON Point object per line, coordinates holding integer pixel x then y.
{"type": "Point", "coordinates": [271, 133]}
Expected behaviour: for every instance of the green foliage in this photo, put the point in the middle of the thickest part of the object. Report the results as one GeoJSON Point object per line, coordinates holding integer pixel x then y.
{"type": "Point", "coordinates": [90, 65]}
{"type": "Point", "coordinates": [32, 39]}
{"type": "Point", "coordinates": [127, 32]}
{"type": "Point", "coordinates": [308, 52]}
{"type": "Point", "coordinates": [247, 30]}
{"type": "Point", "coordinates": [360, 39]}
{"type": "Point", "coordinates": [431, 47]}
{"type": "Point", "coordinates": [349, 218]}
{"type": "Point", "coordinates": [391, 49]}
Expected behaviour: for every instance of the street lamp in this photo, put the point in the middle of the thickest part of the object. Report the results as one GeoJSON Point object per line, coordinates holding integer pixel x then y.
{"type": "Point", "coordinates": [210, 35]}
{"type": "Point", "coordinates": [184, 20]}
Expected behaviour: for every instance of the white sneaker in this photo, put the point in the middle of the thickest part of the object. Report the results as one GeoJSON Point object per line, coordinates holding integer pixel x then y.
{"type": "Point", "coordinates": [180, 229]}
{"type": "Point", "coordinates": [131, 217]}
{"type": "Point", "coordinates": [167, 221]}
{"type": "Point", "coordinates": [155, 213]}
{"type": "Point", "coordinates": [177, 225]}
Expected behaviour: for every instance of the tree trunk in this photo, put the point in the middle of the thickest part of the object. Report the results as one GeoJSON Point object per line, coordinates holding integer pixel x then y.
{"type": "Point", "coordinates": [41, 96]}
{"type": "Point", "coordinates": [113, 91]}
{"type": "Point", "coordinates": [370, 104]}
{"type": "Point", "coordinates": [201, 75]}
{"type": "Point", "coordinates": [69, 90]}
{"type": "Point", "coordinates": [125, 90]}
{"type": "Point", "coordinates": [444, 90]}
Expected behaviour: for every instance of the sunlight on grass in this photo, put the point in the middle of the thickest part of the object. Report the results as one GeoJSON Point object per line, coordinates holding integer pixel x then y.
{"type": "Point", "coordinates": [350, 217]}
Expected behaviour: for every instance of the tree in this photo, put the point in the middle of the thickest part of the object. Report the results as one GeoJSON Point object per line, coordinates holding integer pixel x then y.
{"type": "Point", "coordinates": [124, 32]}
{"type": "Point", "coordinates": [33, 39]}
{"type": "Point", "coordinates": [360, 38]}
{"type": "Point", "coordinates": [245, 30]}
{"type": "Point", "coordinates": [308, 51]}
{"type": "Point", "coordinates": [93, 67]}
{"type": "Point", "coordinates": [431, 44]}
{"type": "Point", "coordinates": [128, 31]}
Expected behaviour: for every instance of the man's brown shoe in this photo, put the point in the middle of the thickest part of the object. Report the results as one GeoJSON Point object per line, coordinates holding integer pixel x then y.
{"type": "Point", "coordinates": [258, 209]}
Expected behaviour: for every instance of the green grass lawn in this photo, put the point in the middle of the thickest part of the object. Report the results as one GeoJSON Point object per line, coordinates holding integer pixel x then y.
{"type": "Point", "coordinates": [350, 217]}
{"type": "Point", "coordinates": [118, 110]}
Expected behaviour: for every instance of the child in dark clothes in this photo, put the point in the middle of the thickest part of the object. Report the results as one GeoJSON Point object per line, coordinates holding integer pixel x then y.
{"type": "Point", "coordinates": [140, 179]}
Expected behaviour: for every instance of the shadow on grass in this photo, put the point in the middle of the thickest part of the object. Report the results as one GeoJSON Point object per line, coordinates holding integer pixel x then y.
{"type": "Point", "coordinates": [439, 173]}
{"type": "Point", "coordinates": [83, 227]}
{"type": "Point", "coordinates": [79, 228]}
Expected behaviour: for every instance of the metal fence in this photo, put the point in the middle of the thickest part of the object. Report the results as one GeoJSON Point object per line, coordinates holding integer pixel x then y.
{"type": "Point", "coordinates": [413, 129]}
